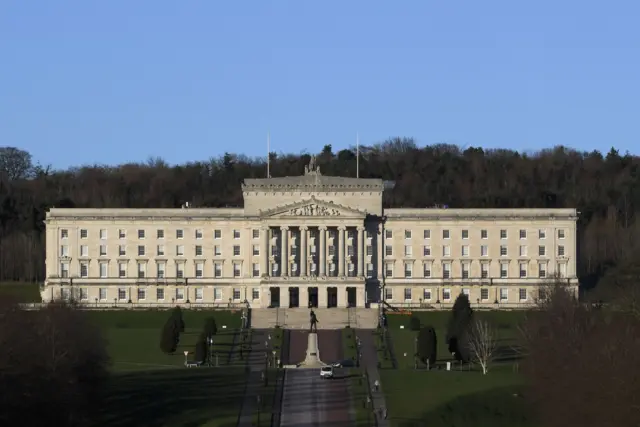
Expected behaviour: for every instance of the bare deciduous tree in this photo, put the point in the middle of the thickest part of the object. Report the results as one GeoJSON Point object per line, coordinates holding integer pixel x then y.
{"type": "Point", "coordinates": [483, 343]}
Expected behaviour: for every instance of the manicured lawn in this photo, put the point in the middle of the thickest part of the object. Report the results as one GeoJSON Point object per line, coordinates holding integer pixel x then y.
{"type": "Point", "coordinates": [21, 292]}
{"type": "Point", "coordinates": [455, 399]}
{"type": "Point", "coordinates": [505, 323]}
{"type": "Point", "coordinates": [204, 397]}
{"type": "Point", "coordinates": [133, 337]}
{"type": "Point", "coordinates": [349, 346]}
{"type": "Point", "coordinates": [263, 415]}
{"type": "Point", "coordinates": [359, 392]}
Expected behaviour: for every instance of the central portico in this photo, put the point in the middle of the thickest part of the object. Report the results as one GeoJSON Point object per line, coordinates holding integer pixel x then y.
{"type": "Point", "coordinates": [313, 238]}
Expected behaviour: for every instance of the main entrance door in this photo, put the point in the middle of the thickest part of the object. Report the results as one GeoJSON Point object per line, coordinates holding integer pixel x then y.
{"type": "Point", "coordinates": [313, 297]}
{"type": "Point", "coordinates": [275, 297]}
{"type": "Point", "coordinates": [351, 297]}
{"type": "Point", "coordinates": [332, 297]}
{"type": "Point", "coordinates": [294, 297]}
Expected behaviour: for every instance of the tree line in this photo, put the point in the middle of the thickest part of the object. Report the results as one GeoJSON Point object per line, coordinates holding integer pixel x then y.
{"type": "Point", "coordinates": [605, 188]}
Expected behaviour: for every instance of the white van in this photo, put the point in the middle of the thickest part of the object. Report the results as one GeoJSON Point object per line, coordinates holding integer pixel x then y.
{"type": "Point", "coordinates": [326, 372]}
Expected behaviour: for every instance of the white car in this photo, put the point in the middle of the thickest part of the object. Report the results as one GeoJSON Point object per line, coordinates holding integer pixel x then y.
{"type": "Point", "coordinates": [326, 372]}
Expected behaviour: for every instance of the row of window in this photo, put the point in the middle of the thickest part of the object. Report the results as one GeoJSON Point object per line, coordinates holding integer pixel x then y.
{"type": "Point", "coordinates": [523, 270]}
{"type": "Point", "coordinates": [160, 234]}
{"type": "Point", "coordinates": [178, 295]}
{"type": "Point", "coordinates": [484, 234]}
{"type": "Point", "coordinates": [160, 250]}
{"type": "Point", "coordinates": [427, 294]}
{"type": "Point", "coordinates": [465, 251]}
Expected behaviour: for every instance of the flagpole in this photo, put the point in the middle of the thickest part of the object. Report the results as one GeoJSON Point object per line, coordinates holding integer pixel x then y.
{"type": "Point", "coordinates": [357, 155]}
{"type": "Point", "coordinates": [268, 154]}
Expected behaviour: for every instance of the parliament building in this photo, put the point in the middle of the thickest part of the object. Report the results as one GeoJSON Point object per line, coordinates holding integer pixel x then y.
{"type": "Point", "coordinates": [308, 241]}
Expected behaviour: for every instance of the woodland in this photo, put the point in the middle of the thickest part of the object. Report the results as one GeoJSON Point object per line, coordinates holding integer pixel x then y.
{"type": "Point", "coordinates": [603, 187]}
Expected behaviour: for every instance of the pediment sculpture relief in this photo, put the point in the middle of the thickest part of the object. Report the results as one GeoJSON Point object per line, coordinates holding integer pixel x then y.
{"type": "Point", "coordinates": [313, 210]}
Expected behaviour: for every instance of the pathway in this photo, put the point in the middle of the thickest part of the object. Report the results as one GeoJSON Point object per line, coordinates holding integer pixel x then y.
{"type": "Point", "coordinates": [369, 361]}
{"type": "Point", "coordinates": [255, 367]}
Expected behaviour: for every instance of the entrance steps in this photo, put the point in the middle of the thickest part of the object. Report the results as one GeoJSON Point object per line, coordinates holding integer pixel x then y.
{"type": "Point", "coordinates": [328, 318]}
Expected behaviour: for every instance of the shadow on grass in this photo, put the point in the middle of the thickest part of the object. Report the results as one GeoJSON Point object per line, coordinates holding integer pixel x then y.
{"type": "Point", "coordinates": [176, 397]}
{"type": "Point", "coordinates": [499, 407]}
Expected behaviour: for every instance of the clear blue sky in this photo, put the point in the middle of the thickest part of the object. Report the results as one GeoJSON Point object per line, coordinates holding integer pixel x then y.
{"type": "Point", "coordinates": [85, 81]}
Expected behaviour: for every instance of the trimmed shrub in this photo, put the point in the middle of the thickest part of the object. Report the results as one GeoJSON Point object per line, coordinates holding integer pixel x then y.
{"type": "Point", "coordinates": [201, 348]}
{"type": "Point", "coordinates": [427, 346]}
{"type": "Point", "coordinates": [169, 337]}
{"type": "Point", "coordinates": [176, 315]}
{"type": "Point", "coordinates": [210, 327]}
{"type": "Point", "coordinates": [458, 328]}
{"type": "Point", "coordinates": [414, 323]}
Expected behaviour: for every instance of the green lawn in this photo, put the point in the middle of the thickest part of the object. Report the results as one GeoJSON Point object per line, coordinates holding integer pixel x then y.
{"type": "Point", "coordinates": [455, 399]}
{"type": "Point", "coordinates": [22, 292]}
{"type": "Point", "coordinates": [505, 323]}
{"type": "Point", "coordinates": [133, 337]}
{"type": "Point", "coordinates": [359, 392]}
{"type": "Point", "coordinates": [205, 397]}
{"type": "Point", "coordinates": [262, 417]}
{"type": "Point", "coordinates": [349, 346]}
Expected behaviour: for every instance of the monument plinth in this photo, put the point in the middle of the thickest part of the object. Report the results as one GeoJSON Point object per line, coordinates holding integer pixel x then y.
{"type": "Point", "coordinates": [312, 358]}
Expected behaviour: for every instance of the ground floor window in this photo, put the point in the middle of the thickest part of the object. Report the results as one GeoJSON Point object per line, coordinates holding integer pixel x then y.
{"type": "Point", "coordinates": [160, 294]}
{"type": "Point", "coordinates": [446, 294]}
{"type": "Point", "coordinates": [142, 294]}
{"type": "Point", "coordinates": [407, 294]}
{"type": "Point", "coordinates": [484, 294]}
{"type": "Point", "coordinates": [84, 294]}
{"type": "Point", "coordinates": [255, 293]}
{"type": "Point", "coordinates": [102, 294]}
{"type": "Point", "coordinates": [122, 294]}
{"type": "Point", "coordinates": [65, 294]}
{"type": "Point", "coordinates": [522, 294]}
{"type": "Point", "coordinates": [199, 294]}
{"type": "Point", "coordinates": [217, 294]}
{"type": "Point", "coordinates": [388, 293]}
{"type": "Point", "coordinates": [236, 294]}
{"type": "Point", "coordinates": [504, 294]}
{"type": "Point", "coordinates": [426, 295]}
{"type": "Point", "coordinates": [179, 294]}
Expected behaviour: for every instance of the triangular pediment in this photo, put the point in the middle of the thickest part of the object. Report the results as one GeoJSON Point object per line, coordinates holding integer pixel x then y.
{"type": "Point", "coordinates": [313, 208]}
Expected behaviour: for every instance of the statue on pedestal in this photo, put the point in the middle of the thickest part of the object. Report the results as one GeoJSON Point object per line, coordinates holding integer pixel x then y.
{"type": "Point", "coordinates": [313, 320]}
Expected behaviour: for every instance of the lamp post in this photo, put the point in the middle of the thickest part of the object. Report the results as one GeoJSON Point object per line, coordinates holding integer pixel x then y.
{"type": "Point", "coordinates": [274, 358]}
{"type": "Point", "coordinates": [186, 353]}
{"type": "Point", "coordinates": [210, 341]}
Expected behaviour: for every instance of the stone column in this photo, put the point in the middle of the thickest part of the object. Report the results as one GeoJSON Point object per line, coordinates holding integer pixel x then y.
{"type": "Point", "coordinates": [341, 241]}
{"type": "Point", "coordinates": [322, 255]}
{"type": "Point", "coordinates": [303, 250]}
{"type": "Point", "coordinates": [284, 257]}
{"type": "Point", "coordinates": [360, 251]}
{"type": "Point", "coordinates": [264, 251]}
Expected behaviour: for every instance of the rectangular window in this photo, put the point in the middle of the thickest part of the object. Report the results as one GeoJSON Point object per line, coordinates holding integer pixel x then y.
{"type": "Point", "coordinates": [236, 270]}
{"type": "Point", "coordinates": [446, 251]}
{"type": "Point", "coordinates": [199, 270]}
{"type": "Point", "coordinates": [84, 294]}
{"type": "Point", "coordinates": [236, 234]}
{"type": "Point", "coordinates": [160, 270]}
{"type": "Point", "coordinates": [103, 234]}
{"type": "Point", "coordinates": [217, 234]}
{"type": "Point", "coordinates": [256, 233]}
{"type": "Point", "coordinates": [484, 294]}
{"type": "Point", "coordinates": [236, 294]}
{"type": "Point", "coordinates": [484, 250]}
{"type": "Point", "coordinates": [102, 294]}
{"type": "Point", "coordinates": [504, 294]}
{"type": "Point", "coordinates": [503, 250]}
{"type": "Point", "coordinates": [64, 250]}
{"type": "Point", "coordinates": [179, 234]}
{"type": "Point", "coordinates": [446, 294]}
{"type": "Point", "coordinates": [122, 269]}
{"type": "Point", "coordinates": [465, 291]}
{"type": "Point", "coordinates": [560, 234]}
{"type": "Point", "coordinates": [542, 270]}
{"type": "Point", "coordinates": [198, 250]}
{"type": "Point", "coordinates": [160, 294]}
{"type": "Point", "coordinates": [522, 294]}
{"type": "Point", "coordinates": [256, 250]}
{"type": "Point", "coordinates": [426, 294]}
{"type": "Point", "coordinates": [446, 270]}
{"type": "Point", "coordinates": [388, 250]}
{"type": "Point", "coordinates": [122, 294]}
{"type": "Point", "coordinates": [465, 270]}
{"type": "Point", "coordinates": [369, 250]}
{"type": "Point", "coordinates": [122, 250]}
{"type": "Point", "coordinates": [84, 269]}
{"type": "Point", "coordinates": [560, 250]}
{"type": "Point", "coordinates": [388, 234]}
{"type": "Point", "coordinates": [388, 293]}
{"type": "Point", "coordinates": [198, 234]}
{"type": "Point", "coordinates": [84, 234]}
{"type": "Point", "coordinates": [407, 294]}
{"type": "Point", "coordinates": [217, 250]}
{"type": "Point", "coordinates": [103, 269]}
{"type": "Point", "coordinates": [160, 234]}
{"type": "Point", "coordinates": [542, 234]}
{"type": "Point", "coordinates": [142, 294]}
{"type": "Point", "coordinates": [426, 267]}
{"type": "Point", "coordinates": [407, 234]}
{"type": "Point", "coordinates": [446, 234]}
{"type": "Point", "coordinates": [255, 294]}
{"type": "Point", "coordinates": [523, 250]}
{"type": "Point", "coordinates": [388, 269]}
{"type": "Point", "coordinates": [426, 251]}
{"type": "Point", "coordinates": [179, 250]}
{"type": "Point", "coordinates": [140, 234]}
{"type": "Point", "coordinates": [465, 250]}
{"type": "Point", "coordinates": [217, 270]}
{"type": "Point", "coordinates": [503, 234]}
{"type": "Point", "coordinates": [523, 234]}
{"type": "Point", "coordinates": [255, 269]}
{"type": "Point", "coordinates": [484, 270]}
{"type": "Point", "coordinates": [523, 270]}
{"type": "Point", "coordinates": [122, 234]}
{"type": "Point", "coordinates": [465, 234]}
{"type": "Point", "coordinates": [180, 271]}
{"type": "Point", "coordinates": [141, 250]}
{"type": "Point", "coordinates": [160, 250]}
{"type": "Point", "coordinates": [142, 270]}
{"type": "Point", "coordinates": [217, 294]}
{"type": "Point", "coordinates": [369, 270]}
{"type": "Point", "coordinates": [561, 268]}
{"type": "Point", "coordinates": [236, 250]}
{"type": "Point", "coordinates": [504, 270]}
{"type": "Point", "coordinates": [408, 251]}
{"type": "Point", "coordinates": [408, 270]}
{"type": "Point", "coordinates": [103, 250]}
{"type": "Point", "coordinates": [199, 294]}
{"type": "Point", "coordinates": [179, 294]}
{"type": "Point", "coordinates": [64, 233]}
{"type": "Point", "coordinates": [427, 234]}
{"type": "Point", "coordinates": [84, 250]}
{"type": "Point", "coordinates": [484, 234]}
{"type": "Point", "coordinates": [542, 250]}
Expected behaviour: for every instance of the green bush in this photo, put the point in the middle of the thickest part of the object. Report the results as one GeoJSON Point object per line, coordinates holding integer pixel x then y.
{"type": "Point", "coordinates": [210, 327]}
{"type": "Point", "coordinates": [201, 348]}
{"type": "Point", "coordinates": [427, 346]}
{"type": "Point", "coordinates": [169, 337]}
{"type": "Point", "coordinates": [176, 315]}
{"type": "Point", "coordinates": [458, 328]}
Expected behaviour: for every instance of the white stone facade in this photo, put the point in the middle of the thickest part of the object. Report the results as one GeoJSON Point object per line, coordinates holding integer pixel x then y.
{"type": "Point", "coordinates": [312, 240]}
